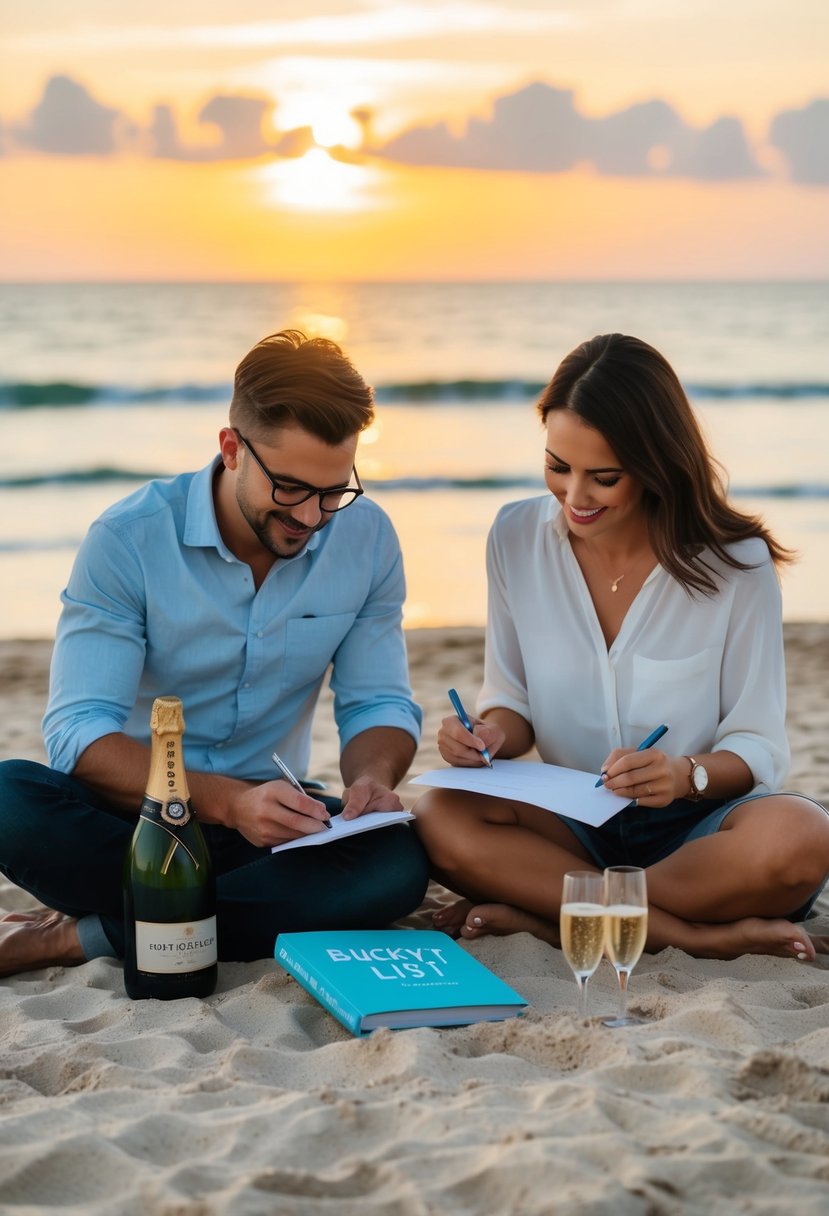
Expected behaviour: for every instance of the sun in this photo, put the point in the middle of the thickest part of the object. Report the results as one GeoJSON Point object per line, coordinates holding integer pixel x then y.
{"type": "Point", "coordinates": [317, 182]}
{"type": "Point", "coordinates": [333, 130]}
{"type": "Point", "coordinates": [329, 115]}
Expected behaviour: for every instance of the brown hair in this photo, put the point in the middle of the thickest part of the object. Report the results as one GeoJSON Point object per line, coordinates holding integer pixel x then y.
{"type": "Point", "coordinates": [629, 393]}
{"type": "Point", "coordinates": [290, 378]}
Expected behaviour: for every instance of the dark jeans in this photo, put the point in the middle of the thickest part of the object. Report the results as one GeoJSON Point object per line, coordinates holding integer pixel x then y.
{"type": "Point", "coordinates": [62, 843]}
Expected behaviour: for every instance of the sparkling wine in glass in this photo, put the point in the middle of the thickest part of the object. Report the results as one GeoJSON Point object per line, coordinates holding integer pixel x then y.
{"type": "Point", "coordinates": [581, 923]}
{"type": "Point", "coordinates": [626, 927]}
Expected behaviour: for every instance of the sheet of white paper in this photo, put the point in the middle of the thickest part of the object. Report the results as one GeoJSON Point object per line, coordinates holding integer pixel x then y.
{"type": "Point", "coordinates": [346, 827]}
{"type": "Point", "coordinates": [566, 790]}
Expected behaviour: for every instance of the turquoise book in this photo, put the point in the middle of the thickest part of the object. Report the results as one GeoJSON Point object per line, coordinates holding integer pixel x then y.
{"type": "Point", "coordinates": [395, 977]}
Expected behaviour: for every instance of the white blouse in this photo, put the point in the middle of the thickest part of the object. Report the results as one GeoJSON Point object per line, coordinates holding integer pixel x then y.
{"type": "Point", "coordinates": [710, 667]}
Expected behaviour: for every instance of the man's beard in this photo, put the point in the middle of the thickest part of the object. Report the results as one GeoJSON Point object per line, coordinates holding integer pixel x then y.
{"type": "Point", "coordinates": [259, 525]}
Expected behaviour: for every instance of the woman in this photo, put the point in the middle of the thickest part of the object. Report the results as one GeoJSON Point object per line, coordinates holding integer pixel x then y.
{"type": "Point", "coordinates": [635, 595]}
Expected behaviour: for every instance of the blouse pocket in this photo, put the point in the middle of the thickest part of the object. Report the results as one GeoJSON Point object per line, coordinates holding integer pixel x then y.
{"type": "Point", "coordinates": [680, 691]}
{"type": "Point", "coordinates": [310, 644]}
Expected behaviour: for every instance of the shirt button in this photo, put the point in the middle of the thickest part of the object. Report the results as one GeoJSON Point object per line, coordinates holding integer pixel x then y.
{"type": "Point", "coordinates": [246, 686]}
{"type": "Point", "coordinates": [260, 634]}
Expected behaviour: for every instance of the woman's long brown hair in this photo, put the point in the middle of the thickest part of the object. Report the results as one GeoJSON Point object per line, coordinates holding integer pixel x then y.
{"type": "Point", "coordinates": [628, 392]}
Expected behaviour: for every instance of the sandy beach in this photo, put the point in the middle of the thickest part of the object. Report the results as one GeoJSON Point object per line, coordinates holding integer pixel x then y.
{"type": "Point", "coordinates": [257, 1101]}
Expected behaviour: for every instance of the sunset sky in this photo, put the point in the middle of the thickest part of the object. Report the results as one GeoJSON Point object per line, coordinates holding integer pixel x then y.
{"type": "Point", "coordinates": [414, 139]}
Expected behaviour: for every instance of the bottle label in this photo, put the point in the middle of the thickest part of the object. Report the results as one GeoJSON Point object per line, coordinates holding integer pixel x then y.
{"type": "Point", "coordinates": [167, 949]}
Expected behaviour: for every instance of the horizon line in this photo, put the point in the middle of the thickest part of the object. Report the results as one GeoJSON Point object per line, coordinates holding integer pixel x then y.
{"type": "Point", "coordinates": [682, 280]}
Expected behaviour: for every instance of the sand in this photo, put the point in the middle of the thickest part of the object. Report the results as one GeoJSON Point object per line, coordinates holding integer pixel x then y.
{"type": "Point", "coordinates": [257, 1101]}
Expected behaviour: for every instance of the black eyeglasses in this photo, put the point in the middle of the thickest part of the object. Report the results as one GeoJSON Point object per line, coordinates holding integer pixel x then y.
{"type": "Point", "coordinates": [286, 492]}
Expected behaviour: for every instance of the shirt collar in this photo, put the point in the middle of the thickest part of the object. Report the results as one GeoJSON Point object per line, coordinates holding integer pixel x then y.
{"type": "Point", "coordinates": [200, 527]}
{"type": "Point", "coordinates": [559, 523]}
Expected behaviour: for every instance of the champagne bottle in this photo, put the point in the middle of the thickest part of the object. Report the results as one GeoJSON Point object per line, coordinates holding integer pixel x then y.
{"type": "Point", "coordinates": [169, 889]}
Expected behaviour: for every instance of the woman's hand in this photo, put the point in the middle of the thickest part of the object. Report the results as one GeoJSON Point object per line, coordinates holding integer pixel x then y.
{"type": "Point", "coordinates": [650, 777]}
{"type": "Point", "coordinates": [463, 748]}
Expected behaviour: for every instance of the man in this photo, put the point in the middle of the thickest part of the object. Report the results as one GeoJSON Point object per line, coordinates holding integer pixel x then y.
{"type": "Point", "coordinates": [233, 588]}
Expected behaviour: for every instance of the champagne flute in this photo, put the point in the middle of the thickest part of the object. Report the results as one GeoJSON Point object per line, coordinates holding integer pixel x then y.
{"type": "Point", "coordinates": [581, 922]}
{"type": "Point", "coordinates": [626, 927]}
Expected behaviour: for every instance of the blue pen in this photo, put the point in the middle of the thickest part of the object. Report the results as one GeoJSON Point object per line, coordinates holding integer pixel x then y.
{"type": "Point", "coordinates": [464, 717]}
{"type": "Point", "coordinates": [652, 738]}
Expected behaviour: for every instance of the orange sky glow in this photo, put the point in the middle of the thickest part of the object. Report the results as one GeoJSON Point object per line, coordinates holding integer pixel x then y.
{"type": "Point", "coordinates": [477, 140]}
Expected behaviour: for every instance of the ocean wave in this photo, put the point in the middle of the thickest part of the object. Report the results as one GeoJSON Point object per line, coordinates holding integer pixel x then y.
{"type": "Point", "coordinates": [497, 482]}
{"type": "Point", "coordinates": [454, 392]}
{"type": "Point", "coordinates": [774, 390]}
{"type": "Point", "coordinates": [77, 477]}
{"type": "Point", "coordinates": [48, 544]}
{"type": "Point", "coordinates": [20, 395]}
{"type": "Point", "coordinates": [62, 393]}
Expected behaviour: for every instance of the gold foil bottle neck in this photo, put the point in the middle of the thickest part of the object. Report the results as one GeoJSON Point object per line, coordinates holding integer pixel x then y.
{"type": "Point", "coordinates": [167, 716]}
{"type": "Point", "coordinates": [167, 781]}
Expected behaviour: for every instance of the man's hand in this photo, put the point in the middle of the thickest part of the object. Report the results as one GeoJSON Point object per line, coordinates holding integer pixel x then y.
{"type": "Point", "coordinates": [371, 764]}
{"type": "Point", "coordinates": [272, 813]}
{"type": "Point", "coordinates": [365, 794]}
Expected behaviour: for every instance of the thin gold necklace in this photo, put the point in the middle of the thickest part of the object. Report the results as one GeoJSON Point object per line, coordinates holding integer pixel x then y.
{"type": "Point", "coordinates": [614, 586]}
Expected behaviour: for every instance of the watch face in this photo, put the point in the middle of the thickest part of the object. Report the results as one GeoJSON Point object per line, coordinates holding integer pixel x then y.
{"type": "Point", "coordinates": [700, 778]}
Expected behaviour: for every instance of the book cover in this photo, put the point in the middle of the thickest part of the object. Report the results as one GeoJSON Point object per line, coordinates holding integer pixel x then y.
{"type": "Point", "coordinates": [395, 977]}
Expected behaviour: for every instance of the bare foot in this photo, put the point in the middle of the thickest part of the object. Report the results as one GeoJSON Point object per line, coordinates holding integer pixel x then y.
{"type": "Point", "coordinates": [755, 935]}
{"type": "Point", "coordinates": [451, 918]}
{"type": "Point", "coordinates": [31, 940]}
{"type": "Point", "coordinates": [470, 921]}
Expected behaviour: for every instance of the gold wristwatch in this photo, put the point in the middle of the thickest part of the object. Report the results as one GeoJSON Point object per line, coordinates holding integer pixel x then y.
{"type": "Point", "coordinates": [698, 783]}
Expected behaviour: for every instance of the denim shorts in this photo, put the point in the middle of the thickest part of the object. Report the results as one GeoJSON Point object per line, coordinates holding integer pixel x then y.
{"type": "Point", "coordinates": [642, 836]}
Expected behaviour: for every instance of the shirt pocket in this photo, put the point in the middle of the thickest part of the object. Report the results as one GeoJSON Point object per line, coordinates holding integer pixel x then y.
{"type": "Point", "coordinates": [310, 644]}
{"type": "Point", "coordinates": [676, 691]}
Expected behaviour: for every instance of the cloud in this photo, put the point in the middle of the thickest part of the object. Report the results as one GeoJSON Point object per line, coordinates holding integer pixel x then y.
{"type": "Point", "coordinates": [716, 154]}
{"type": "Point", "coordinates": [295, 143]}
{"type": "Point", "coordinates": [366, 23]}
{"type": "Point", "coordinates": [535, 129]}
{"type": "Point", "coordinates": [803, 138]}
{"type": "Point", "coordinates": [539, 130]}
{"type": "Point", "coordinates": [239, 120]}
{"type": "Point", "coordinates": [164, 137]}
{"type": "Point", "coordinates": [634, 141]}
{"type": "Point", "coordinates": [67, 120]}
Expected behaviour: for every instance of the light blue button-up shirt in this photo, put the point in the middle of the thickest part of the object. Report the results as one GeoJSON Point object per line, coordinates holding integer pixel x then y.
{"type": "Point", "coordinates": [158, 605]}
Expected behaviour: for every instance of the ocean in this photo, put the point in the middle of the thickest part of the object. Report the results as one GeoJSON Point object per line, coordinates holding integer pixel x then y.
{"type": "Point", "coordinates": [105, 385]}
